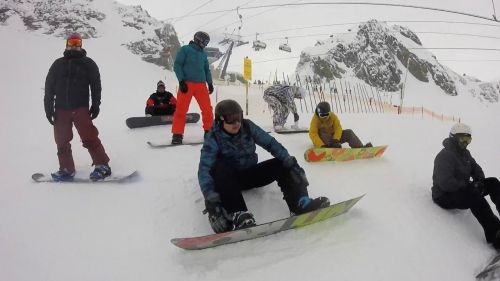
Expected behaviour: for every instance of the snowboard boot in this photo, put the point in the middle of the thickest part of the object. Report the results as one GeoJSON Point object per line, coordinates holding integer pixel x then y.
{"type": "Point", "coordinates": [243, 220]}
{"type": "Point", "coordinates": [63, 175]}
{"type": "Point", "coordinates": [177, 139]}
{"type": "Point", "coordinates": [368, 145]}
{"type": "Point", "coordinates": [100, 172]}
{"type": "Point", "coordinates": [307, 204]}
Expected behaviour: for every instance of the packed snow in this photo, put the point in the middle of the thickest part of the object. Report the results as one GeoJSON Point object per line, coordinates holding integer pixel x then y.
{"type": "Point", "coordinates": [51, 231]}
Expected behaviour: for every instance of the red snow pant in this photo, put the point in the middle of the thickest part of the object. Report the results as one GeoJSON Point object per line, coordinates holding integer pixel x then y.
{"type": "Point", "coordinates": [200, 92]}
{"type": "Point", "coordinates": [63, 134]}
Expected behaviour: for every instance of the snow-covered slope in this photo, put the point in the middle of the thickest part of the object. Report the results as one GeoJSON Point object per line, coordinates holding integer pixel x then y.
{"type": "Point", "coordinates": [122, 232]}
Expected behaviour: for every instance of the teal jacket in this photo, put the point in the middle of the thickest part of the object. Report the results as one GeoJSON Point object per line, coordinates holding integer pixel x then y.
{"type": "Point", "coordinates": [191, 64]}
{"type": "Point", "coordinates": [236, 151]}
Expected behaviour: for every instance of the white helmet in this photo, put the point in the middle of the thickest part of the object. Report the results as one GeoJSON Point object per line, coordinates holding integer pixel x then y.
{"type": "Point", "coordinates": [460, 128]}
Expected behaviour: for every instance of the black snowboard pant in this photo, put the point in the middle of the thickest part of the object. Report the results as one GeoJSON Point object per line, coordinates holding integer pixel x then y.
{"type": "Point", "coordinates": [473, 200]}
{"type": "Point", "coordinates": [229, 183]}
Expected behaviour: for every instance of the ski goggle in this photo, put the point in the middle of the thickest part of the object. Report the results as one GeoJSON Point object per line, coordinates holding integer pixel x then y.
{"type": "Point", "coordinates": [464, 139]}
{"type": "Point", "coordinates": [73, 42]}
{"type": "Point", "coordinates": [233, 118]}
{"type": "Point", "coordinates": [323, 114]}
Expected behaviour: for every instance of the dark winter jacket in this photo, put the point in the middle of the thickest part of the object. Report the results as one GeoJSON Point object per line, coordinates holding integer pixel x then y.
{"type": "Point", "coordinates": [161, 104]}
{"type": "Point", "coordinates": [191, 64]}
{"type": "Point", "coordinates": [453, 169]}
{"type": "Point", "coordinates": [237, 151]}
{"type": "Point", "coordinates": [69, 79]}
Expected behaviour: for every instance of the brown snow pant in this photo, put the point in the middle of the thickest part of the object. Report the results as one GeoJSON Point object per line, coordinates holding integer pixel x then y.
{"type": "Point", "coordinates": [63, 134]}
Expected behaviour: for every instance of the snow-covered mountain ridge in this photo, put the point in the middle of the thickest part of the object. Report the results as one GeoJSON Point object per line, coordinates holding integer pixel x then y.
{"type": "Point", "coordinates": [381, 55]}
{"type": "Point", "coordinates": [155, 41]}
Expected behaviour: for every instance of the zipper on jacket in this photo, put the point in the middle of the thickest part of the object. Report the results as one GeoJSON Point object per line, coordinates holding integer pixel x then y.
{"type": "Point", "coordinates": [67, 84]}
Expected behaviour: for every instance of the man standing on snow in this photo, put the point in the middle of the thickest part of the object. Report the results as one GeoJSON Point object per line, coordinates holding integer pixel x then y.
{"type": "Point", "coordinates": [280, 98]}
{"type": "Point", "coordinates": [459, 183]}
{"type": "Point", "coordinates": [66, 103]}
{"type": "Point", "coordinates": [192, 70]}
{"type": "Point", "coordinates": [228, 165]}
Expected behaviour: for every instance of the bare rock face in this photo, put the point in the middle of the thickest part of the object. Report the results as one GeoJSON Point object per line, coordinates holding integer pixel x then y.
{"type": "Point", "coordinates": [155, 41]}
{"type": "Point", "coordinates": [380, 55]}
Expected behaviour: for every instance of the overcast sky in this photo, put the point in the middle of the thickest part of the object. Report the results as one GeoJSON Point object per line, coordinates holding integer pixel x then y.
{"type": "Point", "coordinates": [274, 24]}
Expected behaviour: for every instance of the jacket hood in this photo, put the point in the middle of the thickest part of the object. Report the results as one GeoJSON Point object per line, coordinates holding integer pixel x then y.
{"type": "Point", "coordinates": [75, 54]}
{"type": "Point", "coordinates": [195, 46]}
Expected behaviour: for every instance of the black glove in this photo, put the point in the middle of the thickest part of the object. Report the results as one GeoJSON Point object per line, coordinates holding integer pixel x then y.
{"type": "Point", "coordinates": [332, 144]}
{"type": "Point", "coordinates": [210, 88]}
{"type": "Point", "coordinates": [94, 111]}
{"type": "Point", "coordinates": [295, 117]}
{"type": "Point", "coordinates": [51, 115]}
{"type": "Point", "coordinates": [335, 143]}
{"type": "Point", "coordinates": [183, 86]}
{"type": "Point", "coordinates": [217, 215]}
{"type": "Point", "coordinates": [478, 186]}
{"type": "Point", "coordinates": [297, 174]}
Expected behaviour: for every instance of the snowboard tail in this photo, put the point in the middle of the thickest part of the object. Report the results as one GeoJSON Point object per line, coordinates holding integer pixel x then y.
{"type": "Point", "coordinates": [163, 145]}
{"type": "Point", "coordinates": [140, 122]}
{"type": "Point", "coordinates": [214, 240]}
{"type": "Point", "coordinates": [39, 177]}
{"type": "Point", "coordinates": [343, 154]}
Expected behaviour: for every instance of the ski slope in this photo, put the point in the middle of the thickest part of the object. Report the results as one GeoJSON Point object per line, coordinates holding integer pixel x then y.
{"type": "Point", "coordinates": [122, 232]}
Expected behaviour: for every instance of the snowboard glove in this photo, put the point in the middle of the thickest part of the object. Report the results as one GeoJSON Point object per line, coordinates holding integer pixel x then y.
{"type": "Point", "coordinates": [295, 117]}
{"type": "Point", "coordinates": [478, 186]}
{"type": "Point", "coordinates": [94, 111]}
{"type": "Point", "coordinates": [210, 88]}
{"type": "Point", "coordinates": [217, 215]}
{"type": "Point", "coordinates": [183, 87]}
{"type": "Point", "coordinates": [297, 174]}
{"type": "Point", "coordinates": [334, 144]}
{"type": "Point", "coordinates": [51, 116]}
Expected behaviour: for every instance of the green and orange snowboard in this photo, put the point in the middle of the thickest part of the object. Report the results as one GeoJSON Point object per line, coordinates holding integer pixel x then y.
{"type": "Point", "coordinates": [343, 154]}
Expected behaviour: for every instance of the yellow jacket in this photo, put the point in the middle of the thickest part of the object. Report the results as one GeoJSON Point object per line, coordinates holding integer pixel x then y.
{"type": "Point", "coordinates": [322, 130]}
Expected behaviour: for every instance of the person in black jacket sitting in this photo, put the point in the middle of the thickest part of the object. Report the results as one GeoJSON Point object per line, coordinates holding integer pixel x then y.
{"type": "Point", "coordinates": [161, 102]}
{"type": "Point", "coordinates": [459, 183]}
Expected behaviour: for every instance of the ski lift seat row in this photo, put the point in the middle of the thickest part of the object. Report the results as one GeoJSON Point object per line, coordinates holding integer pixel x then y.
{"type": "Point", "coordinates": [259, 45]}
{"type": "Point", "coordinates": [285, 47]}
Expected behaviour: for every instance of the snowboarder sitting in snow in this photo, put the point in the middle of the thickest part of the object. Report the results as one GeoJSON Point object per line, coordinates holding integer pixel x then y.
{"type": "Point", "coordinates": [325, 130]}
{"type": "Point", "coordinates": [459, 183]}
{"type": "Point", "coordinates": [161, 102]}
{"type": "Point", "coordinates": [281, 100]}
{"type": "Point", "coordinates": [228, 165]}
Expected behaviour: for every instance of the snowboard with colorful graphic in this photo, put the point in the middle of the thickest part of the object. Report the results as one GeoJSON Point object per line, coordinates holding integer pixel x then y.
{"type": "Point", "coordinates": [343, 154]}
{"type": "Point", "coordinates": [39, 177]}
{"type": "Point", "coordinates": [147, 121]}
{"type": "Point", "coordinates": [214, 240]}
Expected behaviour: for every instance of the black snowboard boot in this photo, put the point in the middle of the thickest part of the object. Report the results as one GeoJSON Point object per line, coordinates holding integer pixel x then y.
{"type": "Point", "coordinates": [243, 220]}
{"type": "Point", "coordinates": [307, 204]}
{"type": "Point", "coordinates": [177, 139]}
{"type": "Point", "coordinates": [369, 144]}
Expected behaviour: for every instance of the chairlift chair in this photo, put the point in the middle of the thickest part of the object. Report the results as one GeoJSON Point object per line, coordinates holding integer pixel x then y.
{"type": "Point", "coordinates": [285, 47]}
{"type": "Point", "coordinates": [257, 44]}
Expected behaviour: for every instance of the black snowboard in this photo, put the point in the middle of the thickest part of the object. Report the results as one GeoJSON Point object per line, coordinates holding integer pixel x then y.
{"type": "Point", "coordinates": [140, 122]}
